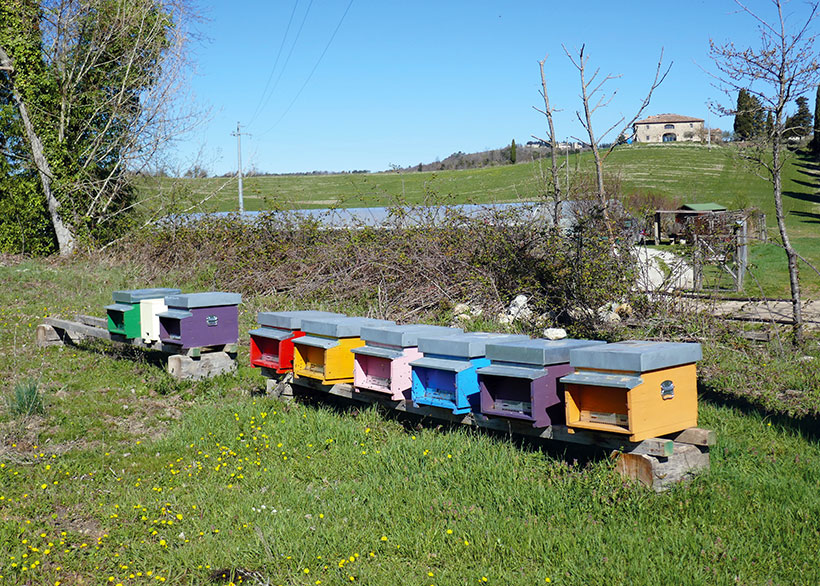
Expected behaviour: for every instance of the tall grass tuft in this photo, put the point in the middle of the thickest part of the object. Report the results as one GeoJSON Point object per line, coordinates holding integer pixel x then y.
{"type": "Point", "coordinates": [27, 399]}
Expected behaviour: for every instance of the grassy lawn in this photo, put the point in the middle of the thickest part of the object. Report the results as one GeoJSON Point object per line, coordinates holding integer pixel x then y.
{"type": "Point", "coordinates": [132, 478]}
{"type": "Point", "coordinates": [688, 173]}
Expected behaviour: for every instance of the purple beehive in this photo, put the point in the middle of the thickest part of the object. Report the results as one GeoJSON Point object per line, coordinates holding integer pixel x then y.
{"type": "Point", "coordinates": [521, 381]}
{"type": "Point", "coordinates": [200, 319]}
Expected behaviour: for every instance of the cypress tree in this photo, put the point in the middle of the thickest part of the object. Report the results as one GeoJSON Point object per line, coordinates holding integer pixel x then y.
{"type": "Point", "coordinates": [743, 124]}
{"type": "Point", "coordinates": [513, 154]}
{"type": "Point", "coordinates": [749, 121]}
{"type": "Point", "coordinates": [799, 125]}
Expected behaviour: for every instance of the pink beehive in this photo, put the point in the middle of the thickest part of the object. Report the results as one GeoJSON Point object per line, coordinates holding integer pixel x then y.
{"type": "Point", "coordinates": [382, 365]}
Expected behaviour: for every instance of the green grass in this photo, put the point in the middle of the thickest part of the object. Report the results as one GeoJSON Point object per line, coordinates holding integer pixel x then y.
{"type": "Point", "coordinates": [689, 173]}
{"type": "Point", "coordinates": [132, 478]}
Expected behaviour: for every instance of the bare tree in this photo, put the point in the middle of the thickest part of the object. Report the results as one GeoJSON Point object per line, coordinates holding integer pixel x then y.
{"type": "Point", "coordinates": [97, 87]}
{"type": "Point", "coordinates": [593, 98]}
{"type": "Point", "coordinates": [783, 67]}
{"type": "Point", "coordinates": [547, 111]}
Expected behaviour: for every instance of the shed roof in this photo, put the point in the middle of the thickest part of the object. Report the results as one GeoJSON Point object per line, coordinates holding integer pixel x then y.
{"type": "Point", "coordinates": [667, 118]}
{"type": "Point", "coordinates": [703, 207]}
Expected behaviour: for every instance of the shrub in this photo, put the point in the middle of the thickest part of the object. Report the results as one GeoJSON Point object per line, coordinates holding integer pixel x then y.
{"type": "Point", "coordinates": [27, 399]}
{"type": "Point", "coordinates": [416, 265]}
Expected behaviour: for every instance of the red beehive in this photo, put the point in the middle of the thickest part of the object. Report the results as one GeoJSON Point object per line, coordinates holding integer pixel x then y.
{"type": "Point", "coordinates": [272, 344]}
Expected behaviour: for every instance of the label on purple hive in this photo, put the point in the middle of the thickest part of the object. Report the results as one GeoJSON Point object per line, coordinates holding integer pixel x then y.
{"type": "Point", "coordinates": [603, 417]}
{"type": "Point", "coordinates": [212, 320]}
{"type": "Point", "coordinates": [523, 407]}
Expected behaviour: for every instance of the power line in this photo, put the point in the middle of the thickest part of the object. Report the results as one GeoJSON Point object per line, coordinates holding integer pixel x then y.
{"type": "Point", "coordinates": [312, 71]}
{"type": "Point", "coordinates": [290, 53]}
{"type": "Point", "coordinates": [275, 63]}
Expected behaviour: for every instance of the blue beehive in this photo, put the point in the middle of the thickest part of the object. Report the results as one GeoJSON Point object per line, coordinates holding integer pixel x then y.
{"type": "Point", "coordinates": [446, 375]}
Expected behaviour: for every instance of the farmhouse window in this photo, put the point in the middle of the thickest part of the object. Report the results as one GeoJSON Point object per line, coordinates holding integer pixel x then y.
{"type": "Point", "coordinates": [668, 126]}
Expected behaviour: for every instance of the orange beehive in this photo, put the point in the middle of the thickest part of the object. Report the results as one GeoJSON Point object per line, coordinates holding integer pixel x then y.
{"type": "Point", "coordinates": [640, 389]}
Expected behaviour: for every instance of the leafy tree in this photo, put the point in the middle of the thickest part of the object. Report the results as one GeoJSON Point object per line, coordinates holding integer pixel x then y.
{"type": "Point", "coordinates": [748, 116]}
{"type": "Point", "coordinates": [513, 154]}
{"type": "Point", "coordinates": [87, 100]}
{"type": "Point", "coordinates": [799, 125]}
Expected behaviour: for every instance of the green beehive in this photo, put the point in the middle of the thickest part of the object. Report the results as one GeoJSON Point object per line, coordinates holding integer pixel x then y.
{"type": "Point", "coordinates": [124, 313]}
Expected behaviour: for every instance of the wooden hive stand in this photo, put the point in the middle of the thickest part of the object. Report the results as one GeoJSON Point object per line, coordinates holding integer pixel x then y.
{"type": "Point", "coordinates": [190, 364]}
{"type": "Point", "coordinates": [657, 462]}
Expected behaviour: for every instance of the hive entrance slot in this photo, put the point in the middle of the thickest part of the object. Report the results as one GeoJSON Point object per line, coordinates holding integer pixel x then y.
{"type": "Point", "coordinates": [603, 417]}
{"type": "Point", "coordinates": [376, 372]}
{"type": "Point", "coordinates": [377, 381]}
{"type": "Point", "coordinates": [315, 360]}
{"type": "Point", "coordinates": [511, 395]}
{"type": "Point", "coordinates": [173, 329]}
{"type": "Point", "coordinates": [438, 384]}
{"type": "Point", "coordinates": [602, 405]}
{"type": "Point", "coordinates": [315, 367]}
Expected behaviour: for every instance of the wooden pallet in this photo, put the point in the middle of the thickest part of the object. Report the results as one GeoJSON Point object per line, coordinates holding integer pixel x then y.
{"type": "Point", "coordinates": [656, 462]}
{"type": "Point", "coordinates": [192, 364]}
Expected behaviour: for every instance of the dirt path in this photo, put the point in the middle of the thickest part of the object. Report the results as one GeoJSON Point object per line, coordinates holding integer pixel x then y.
{"type": "Point", "coordinates": [766, 311]}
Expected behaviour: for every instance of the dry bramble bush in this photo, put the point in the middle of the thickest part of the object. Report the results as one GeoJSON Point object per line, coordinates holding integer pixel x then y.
{"type": "Point", "coordinates": [414, 267]}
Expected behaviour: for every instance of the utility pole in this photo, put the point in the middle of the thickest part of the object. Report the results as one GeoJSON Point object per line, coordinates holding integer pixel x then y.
{"type": "Point", "coordinates": [708, 126]}
{"type": "Point", "coordinates": [238, 135]}
{"type": "Point", "coordinates": [567, 145]}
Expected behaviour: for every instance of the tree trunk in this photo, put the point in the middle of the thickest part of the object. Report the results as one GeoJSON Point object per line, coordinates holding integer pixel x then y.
{"type": "Point", "coordinates": [65, 238]}
{"type": "Point", "coordinates": [791, 253]}
{"type": "Point", "coordinates": [556, 188]}
{"type": "Point", "coordinates": [593, 144]}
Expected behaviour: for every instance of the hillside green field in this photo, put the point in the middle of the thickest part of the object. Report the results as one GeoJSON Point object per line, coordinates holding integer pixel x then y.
{"type": "Point", "coordinates": [130, 478]}
{"type": "Point", "coordinates": [685, 173]}
{"type": "Point", "coordinates": [123, 476]}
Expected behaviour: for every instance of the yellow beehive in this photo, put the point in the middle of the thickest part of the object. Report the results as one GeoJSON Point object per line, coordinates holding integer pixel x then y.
{"type": "Point", "coordinates": [325, 353]}
{"type": "Point", "coordinates": [640, 389]}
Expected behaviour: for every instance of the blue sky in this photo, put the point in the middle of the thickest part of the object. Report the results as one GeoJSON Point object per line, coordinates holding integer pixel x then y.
{"type": "Point", "coordinates": [402, 83]}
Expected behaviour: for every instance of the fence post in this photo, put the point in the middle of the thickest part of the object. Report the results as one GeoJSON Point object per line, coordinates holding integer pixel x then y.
{"type": "Point", "coordinates": [742, 254]}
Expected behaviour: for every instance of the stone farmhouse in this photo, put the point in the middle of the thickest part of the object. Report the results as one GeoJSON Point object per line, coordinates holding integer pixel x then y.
{"type": "Point", "coordinates": [669, 128]}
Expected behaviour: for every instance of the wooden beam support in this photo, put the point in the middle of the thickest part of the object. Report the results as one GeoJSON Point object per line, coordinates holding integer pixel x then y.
{"type": "Point", "coordinates": [197, 363]}
{"type": "Point", "coordinates": [658, 447]}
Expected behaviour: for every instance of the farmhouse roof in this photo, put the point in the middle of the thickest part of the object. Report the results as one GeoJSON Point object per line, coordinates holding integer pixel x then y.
{"type": "Point", "coordinates": [667, 118]}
